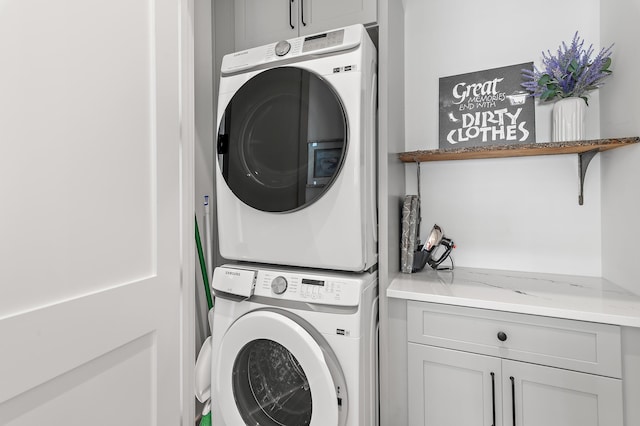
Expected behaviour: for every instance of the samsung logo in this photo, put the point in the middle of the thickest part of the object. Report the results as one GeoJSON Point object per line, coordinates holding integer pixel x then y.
{"type": "Point", "coordinates": [236, 274]}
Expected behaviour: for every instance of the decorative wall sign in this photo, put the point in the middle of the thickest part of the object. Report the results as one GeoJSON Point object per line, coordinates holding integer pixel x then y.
{"type": "Point", "coordinates": [486, 108]}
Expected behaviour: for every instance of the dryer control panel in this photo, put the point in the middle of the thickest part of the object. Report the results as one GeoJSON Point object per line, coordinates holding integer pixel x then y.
{"type": "Point", "coordinates": [297, 49]}
{"type": "Point", "coordinates": [309, 287]}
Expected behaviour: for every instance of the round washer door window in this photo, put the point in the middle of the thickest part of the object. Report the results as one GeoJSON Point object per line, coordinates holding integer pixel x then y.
{"type": "Point", "coordinates": [272, 372]}
{"type": "Point", "coordinates": [282, 139]}
{"type": "Point", "coordinates": [270, 386]}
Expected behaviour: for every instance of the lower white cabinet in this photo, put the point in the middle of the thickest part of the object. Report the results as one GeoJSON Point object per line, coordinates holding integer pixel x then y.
{"type": "Point", "coordinates": [448, 387]}
{"type": "Point", "coordinates": [555, 397]}
{"type": "Point", "coordinates": [492, 386]}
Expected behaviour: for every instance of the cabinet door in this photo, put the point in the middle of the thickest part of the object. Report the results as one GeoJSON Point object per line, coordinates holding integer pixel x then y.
{"type": "Point", "coordinates": [322, 15]}
{"type": "Point", "coordinates": [556, 397]}
{"type": "Point", "coordinates": [448, 387]}
{"type": "Point", "coordinates": [260, 22]}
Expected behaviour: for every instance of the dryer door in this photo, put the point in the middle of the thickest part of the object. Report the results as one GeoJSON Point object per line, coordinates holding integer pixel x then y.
{"type": "Point", "coordinates": [273, 370]}
{"type": "Point", "coordinates": [282, 139]}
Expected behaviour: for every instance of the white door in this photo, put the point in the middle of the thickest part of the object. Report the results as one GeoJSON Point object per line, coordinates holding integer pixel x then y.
{"type": "Point", "coordinates": [448, 387]}
{"type": "Point", "coordinates": [95, 221]}
{"type": "Point", "coordinates": [556, 397]}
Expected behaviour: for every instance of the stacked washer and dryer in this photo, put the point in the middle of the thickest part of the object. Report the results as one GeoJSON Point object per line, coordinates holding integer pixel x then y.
{"type": "Point", "coordinates": [294, 335]}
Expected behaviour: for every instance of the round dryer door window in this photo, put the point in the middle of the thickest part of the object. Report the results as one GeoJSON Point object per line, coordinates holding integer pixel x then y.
{"type": "Point", "coordinates": [282, 139]}
{"type": "Point", "coordinates": [274, 370]}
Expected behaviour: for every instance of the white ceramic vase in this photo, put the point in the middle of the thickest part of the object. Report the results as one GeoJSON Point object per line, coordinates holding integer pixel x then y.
{"type": "Point", "coordinates": [568, 119]}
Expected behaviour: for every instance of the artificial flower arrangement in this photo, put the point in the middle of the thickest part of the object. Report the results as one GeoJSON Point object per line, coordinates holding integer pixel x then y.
{"type": "Point", "coordinates": [571, 73]}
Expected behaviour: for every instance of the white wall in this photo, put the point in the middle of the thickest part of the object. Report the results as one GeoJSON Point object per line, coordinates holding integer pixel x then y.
{"type": "Point", "coordinates": [516, 213]}
{"type": "Point", "coordinates": [214, 37]}
{"type": "Point", "coordinates": [203, 145]}
{"type": "Point", "coordinates": [391, 119]}
{"type": "Point", "coordinates": [620, 168]}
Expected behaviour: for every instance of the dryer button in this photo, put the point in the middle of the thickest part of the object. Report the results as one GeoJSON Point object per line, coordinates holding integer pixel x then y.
{"type": "Point", "coordinates": [282, 48]}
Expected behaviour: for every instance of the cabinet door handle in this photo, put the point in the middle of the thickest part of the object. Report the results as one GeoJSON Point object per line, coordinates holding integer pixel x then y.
{"type": "Point", "coordinates": [502, 336]}
{"type": "Point", "coordinates": [291, 15]}
{"type": "Point", "coordinates": [493, 396]}
{"type": "Point", "coordinates": [513, 399]}
{"type": "Point", "coordinates": [302, 12]}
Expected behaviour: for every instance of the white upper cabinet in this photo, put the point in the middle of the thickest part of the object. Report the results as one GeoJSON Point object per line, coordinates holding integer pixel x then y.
{"type": "Point", "coordinates": [260, 22]}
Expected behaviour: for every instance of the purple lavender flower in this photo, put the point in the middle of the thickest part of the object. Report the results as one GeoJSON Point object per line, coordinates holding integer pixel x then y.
{"type": "Point", "coordinates": [570, 73]}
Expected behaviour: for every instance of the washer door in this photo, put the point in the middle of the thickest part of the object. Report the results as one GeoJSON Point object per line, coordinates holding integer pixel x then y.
{"type": "Point", "coordinates": [282, 139]}
{"type": "Point", "coordinates": [272, 372]}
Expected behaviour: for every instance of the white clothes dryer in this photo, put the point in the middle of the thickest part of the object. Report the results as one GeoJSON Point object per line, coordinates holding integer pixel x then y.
{"type": "Point", "coordinates": [300, 350]}
{"type": "Point", "coordinates": [296, 150]}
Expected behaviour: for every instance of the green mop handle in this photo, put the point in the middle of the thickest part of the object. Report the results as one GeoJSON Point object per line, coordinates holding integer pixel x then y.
{"type": "Point", "coordinates": [203, 267]}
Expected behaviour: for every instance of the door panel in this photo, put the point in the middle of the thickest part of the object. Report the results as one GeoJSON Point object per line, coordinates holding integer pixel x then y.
{"type": "Point", "coordinates": [77, 113]}
{"type": "Point", "coordinates": [556, 397]}
{"type": "Point", "coordinates": [91, 233]}
{"type": "Point", "coordinates": [56, 400]}
{"type": "Point", "coordinates": [323, 15]}
{"type": "Point", "coordinates": [261, 22]}
{"type": "Point", "coordinates": [449, 387]}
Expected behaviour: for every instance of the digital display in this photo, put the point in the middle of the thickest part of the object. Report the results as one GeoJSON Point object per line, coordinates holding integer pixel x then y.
{"type": "Point", "coordinates": [315, 37]}
{"type": "Point", "coordinates": [323, 41]}
{"type": "Point", "coordinates": [312, 282]}
{"type": "Point", "coordinates": [326, 161]}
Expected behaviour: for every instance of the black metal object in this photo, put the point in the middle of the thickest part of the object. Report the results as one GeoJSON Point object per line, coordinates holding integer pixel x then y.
{"type": "Point", "coordinates": [493, 396]}
{"type": "Point", "coordinates": [449, 245]}
{"type": "Point", "coordinates": [584, 158]}
{"type": "Point", "coordinates": [513, 399]}
{"type": "Point", "coordinates": [302, 12]}
{"type": "Point", "coordinates": [290, 15]}
{"type": "Point", "coordinates": [502, 336]}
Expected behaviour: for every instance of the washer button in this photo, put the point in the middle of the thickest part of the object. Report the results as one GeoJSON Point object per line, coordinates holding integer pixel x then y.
{"type": "Point", "coordinates": [279, 285]}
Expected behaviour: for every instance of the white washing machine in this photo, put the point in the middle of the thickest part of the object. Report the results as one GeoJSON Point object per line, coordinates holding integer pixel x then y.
{"type": "Point", "coordinates": [299, 350]}
{"type": "Point", "coordinates": [296, 152]}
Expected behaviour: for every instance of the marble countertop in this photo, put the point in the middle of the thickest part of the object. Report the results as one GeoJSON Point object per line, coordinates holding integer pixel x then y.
{"type": "Point", "coordinates": [562, 296]}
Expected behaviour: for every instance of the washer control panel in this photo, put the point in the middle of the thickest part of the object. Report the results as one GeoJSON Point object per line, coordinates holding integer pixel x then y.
{"type": "Point", "coordinates": [310, 288]}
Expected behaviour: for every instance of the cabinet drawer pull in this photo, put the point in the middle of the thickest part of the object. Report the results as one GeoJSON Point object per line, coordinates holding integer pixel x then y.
{"type": "Point", "coordinates": [493, 396]}
{"type": "Point", "coordinates": [502, 336]}
{"type": "Point", "coordinates": [513, 399]}
{"type": "Point", "coordinates": [290, 15]}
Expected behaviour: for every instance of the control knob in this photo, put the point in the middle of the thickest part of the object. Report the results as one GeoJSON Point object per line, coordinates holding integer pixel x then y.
{"type": "Point", "coordinates": [282, 48]}
{"type": "Point", "coordinates": [279, 285]}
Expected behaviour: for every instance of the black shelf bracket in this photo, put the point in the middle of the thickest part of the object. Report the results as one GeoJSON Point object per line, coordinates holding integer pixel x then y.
{"type": "Point", "coordinates": [584, 158]}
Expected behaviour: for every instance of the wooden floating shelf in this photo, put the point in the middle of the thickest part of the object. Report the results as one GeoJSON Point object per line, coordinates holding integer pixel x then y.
{"type": "Point", "coordinates": [586, 150]}
{"type": "Point", "coordinates": [503, 151]}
